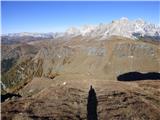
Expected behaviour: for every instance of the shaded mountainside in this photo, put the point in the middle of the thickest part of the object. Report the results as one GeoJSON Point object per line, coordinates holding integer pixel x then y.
{"type": "Point", "coordinates": [14, 53]}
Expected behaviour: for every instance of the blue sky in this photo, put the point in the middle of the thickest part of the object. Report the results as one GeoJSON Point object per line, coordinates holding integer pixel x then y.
{"type": "Point", "coordinates": [52, 16]}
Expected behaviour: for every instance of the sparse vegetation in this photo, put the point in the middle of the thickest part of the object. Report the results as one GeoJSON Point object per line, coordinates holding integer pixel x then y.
{"type": "Point", "coordinates": [54, 81]}
{"type": "Point", "coordinates": [6, 64]}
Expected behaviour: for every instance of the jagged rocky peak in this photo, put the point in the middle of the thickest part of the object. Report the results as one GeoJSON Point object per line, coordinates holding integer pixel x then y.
{"type": "Point", "coordinates": [123, 19]}
{"type": "Point", "coordinates": [140, 21]}
{"type": "Point", "coordinates": [73, 30]}
{"type": "Point", "coordinates": [87, 29]}
{"type": "Point", "coordinates": [122, 27]}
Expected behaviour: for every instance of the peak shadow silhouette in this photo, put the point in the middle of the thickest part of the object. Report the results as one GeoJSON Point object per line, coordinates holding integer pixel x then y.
{"type": "Point", "coordinates": [92, 105]}
{"type": "Point", "coordinates": [9, 96]}
{"type": "Point", "coordinates": [135, 76]}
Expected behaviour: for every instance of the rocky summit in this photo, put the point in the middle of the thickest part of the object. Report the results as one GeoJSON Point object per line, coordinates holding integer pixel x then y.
{"type": "Point", "coordinates": [102, 72]}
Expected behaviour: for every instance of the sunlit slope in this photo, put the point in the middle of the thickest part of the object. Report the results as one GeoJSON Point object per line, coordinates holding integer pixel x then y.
{"type": "Point", "coordinates": [85, 58]}
{"type": "Point", "coordinates": [99, 59]}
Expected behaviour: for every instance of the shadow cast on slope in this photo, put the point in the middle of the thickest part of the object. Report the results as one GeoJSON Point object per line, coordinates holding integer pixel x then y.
{"type": "Point", "coordinates": [9, 96]}
{"type": "Point", "coordinates": [92, 105]}
{"type": "Point", "coordinates": [135, 76]}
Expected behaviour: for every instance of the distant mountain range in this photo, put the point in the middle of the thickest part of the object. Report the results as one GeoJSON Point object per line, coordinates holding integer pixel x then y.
{"type": "Point", "coordinates": [123, 27]}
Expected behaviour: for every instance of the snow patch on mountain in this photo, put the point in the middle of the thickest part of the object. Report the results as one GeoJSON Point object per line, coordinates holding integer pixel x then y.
{"type": "Point", "coordinates": [122, 27]}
